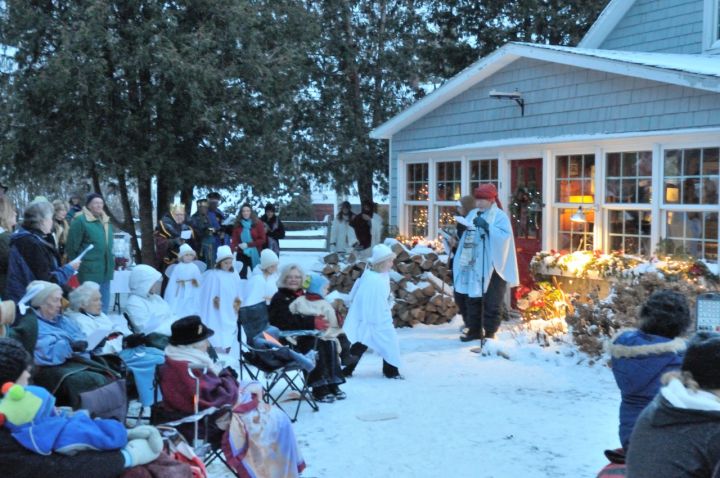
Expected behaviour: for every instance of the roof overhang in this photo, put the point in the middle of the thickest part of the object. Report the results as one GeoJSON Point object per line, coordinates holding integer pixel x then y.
{"type": "Point", "coordinates": [667, 68]}
{"type": "Point", "coordinates": [606, 23]}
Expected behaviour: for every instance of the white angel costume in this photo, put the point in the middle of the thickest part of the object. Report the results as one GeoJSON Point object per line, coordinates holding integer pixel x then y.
{"type": "Point", "coordinates": [221, 295]}
{"type": "Point", "coordinates": [183, 288]}
{"type": "Point", "coordinates": [148, 312]}
{"type": "Point", "coordinates": [369, 319]}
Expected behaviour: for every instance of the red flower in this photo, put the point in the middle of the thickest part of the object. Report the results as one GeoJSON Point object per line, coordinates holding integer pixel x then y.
{"type": "Point", "coordinates": [521, 292]}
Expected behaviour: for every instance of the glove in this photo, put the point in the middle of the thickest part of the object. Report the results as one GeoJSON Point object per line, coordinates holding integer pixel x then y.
{"type": "Point", "coordinates": [143, 451]}
{"type": "Point", "coordinates": [320, 323]}
{"type": "Point", "coordinates": [78, 345]}
{"type": "Point", "coordinates": [481, 223]}
{"type": "Point", "coordinates": [143, 431]}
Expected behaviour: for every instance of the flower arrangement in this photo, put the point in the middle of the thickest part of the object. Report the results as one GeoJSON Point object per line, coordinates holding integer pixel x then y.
{"type": "Point", "coordinates": [412, 241]}
{"type": "Point", "coordinates": [543, 310]}
{"type": "Point", "coordinates": [583, 263]}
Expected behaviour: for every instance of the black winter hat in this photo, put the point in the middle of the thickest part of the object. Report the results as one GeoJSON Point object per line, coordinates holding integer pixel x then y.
{"type": "Point", "coordinates": [270, 207]}
{"type": "Point", "coordinates": [189, 330]}
{"type": "Point", "coordinates": [14, 360]}
{"type": "Point", "coordinates": [701, 359]}
{"type": "Point", "coordinates": [665, 313]}
{"type": "Point", "coordinates": [92, 196]}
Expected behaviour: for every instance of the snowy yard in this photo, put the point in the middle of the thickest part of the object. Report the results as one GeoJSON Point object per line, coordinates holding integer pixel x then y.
{"type": "Point", "coordinates": [460, 414]}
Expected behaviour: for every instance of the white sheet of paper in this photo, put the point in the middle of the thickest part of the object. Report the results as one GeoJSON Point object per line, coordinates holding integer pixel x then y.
{"type": "Point", "coordinates": [95, 337]}
{"type": "Point", "coordinates": [82, 254]}
{"type": "Point", "coordinates": [186, 234]}
{"type": "Point", "coordinates": [463, 221]}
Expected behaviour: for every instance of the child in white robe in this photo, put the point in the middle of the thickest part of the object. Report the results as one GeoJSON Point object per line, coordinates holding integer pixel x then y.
{"type": "Point", "coordinates": [183, 289]}
{"type": "Point", "coordinates": [220, 298]}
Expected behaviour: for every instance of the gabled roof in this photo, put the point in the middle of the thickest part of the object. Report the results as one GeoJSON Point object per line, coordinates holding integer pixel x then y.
{"type": "Point", "coordinates": [693, 71]}
{"type": "Point", "coordinates": [605, 23]}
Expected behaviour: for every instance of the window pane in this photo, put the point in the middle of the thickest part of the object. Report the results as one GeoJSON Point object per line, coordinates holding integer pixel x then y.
{"type": "Point", "coordinates": [612, 192]}
{"type": "Point", "coordinates": [672, 162]}
{"type": "Point", "coordinates": [629, 231]}
{"type": "Point", "coordinates": [446, 218]}
{"type": "Point", "coordinates": [691, 162]}
{"type": "Point", "coordinates": [418, 216]}
{"type": "Point", "coordinates": [613, 164]}
{"type": "Point", "coordinates": [691, 191]}
{"type": "Point", "coordinates": [693, 233]}
{"type": "Point", "coordinates": [573, 236]}
{"type": "Point", "coordinates": [417, 182]}
{"type": "Point", "coordinates": [672, 192]}
{"type": "Point", "coordinates": [634, 169]}
{"type": "Point", "coordinates": [483, 171]}
{"type": "Point", "coordinates": [629, 164]}
{"type": "Point", "coordinates": [710, 161]}
{"type": "Point", "coordinates": [645, 163]}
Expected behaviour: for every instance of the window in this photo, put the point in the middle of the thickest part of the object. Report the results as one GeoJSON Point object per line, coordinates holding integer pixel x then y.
{"type": "Point", "coordinates": [418, 220]}
{"type": "Point", "coordinates": [575, 175]}
{"type": "Point", "coordinates": [417, 182]}
{"type": "Point", "coordinates": [448, 181]}
{"type": "Point", "coordinates": [629, 231]}
{"type": "Point", "coordinates": [575, 236]}
{"type": "Point", "coordinates": [693, 233]}
{"type": "Point", "coordinates": [483, 171]}
{"type": "Point", "coordinates": [691, 176]}
{"type": "Point", "coordinates": [446, 218]}
{"type": "Point", "coordinates": [629, 177]}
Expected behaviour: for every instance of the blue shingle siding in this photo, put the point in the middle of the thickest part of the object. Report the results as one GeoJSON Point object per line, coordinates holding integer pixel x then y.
{"type": "Point", "coordinates": [560, 100]}
{"type": "Point", "coordinates": [668, 26]}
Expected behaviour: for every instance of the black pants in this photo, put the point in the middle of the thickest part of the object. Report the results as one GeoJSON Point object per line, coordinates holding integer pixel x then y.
{"type": "Point", "coordinates": [358, 349]}
{"type": "Point", "coordinates": [327, 369]}
{"type": "Point", "coordinates": [484, 313]}
{"type": "Point", "coordinates": [461, 301]}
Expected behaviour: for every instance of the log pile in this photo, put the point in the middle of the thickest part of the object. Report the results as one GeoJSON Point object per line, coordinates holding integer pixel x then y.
{"type": "Point", "coordinates": [420, 284]}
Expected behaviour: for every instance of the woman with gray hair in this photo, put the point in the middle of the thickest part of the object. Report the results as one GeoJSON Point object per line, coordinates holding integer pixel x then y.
{"type": "Point", "coordinates": [86, 312]}
{"type": "Point", "coordinates": [32, 257]}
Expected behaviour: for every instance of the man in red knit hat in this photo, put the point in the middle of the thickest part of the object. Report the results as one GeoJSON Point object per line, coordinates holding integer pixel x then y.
{"type": "Point", "coordinates": [490, 233]}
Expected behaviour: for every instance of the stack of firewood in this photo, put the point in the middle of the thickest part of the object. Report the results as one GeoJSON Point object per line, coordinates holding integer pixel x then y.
{"type": "Point", "coordinates": [420, 284]}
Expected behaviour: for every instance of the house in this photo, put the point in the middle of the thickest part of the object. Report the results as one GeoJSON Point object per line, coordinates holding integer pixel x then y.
{"type": "Point", "coordinates": [611, 145]}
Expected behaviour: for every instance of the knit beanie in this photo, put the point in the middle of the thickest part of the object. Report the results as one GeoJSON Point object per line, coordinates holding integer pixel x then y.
{"type": "Point", "coordinates": [487, 191]}
{"type": "Point", "coordinates": [14, 360]}
{"type": "Point", "coordinates": [701, 359]}
{"type": "Point", "coordinates": [92, 196]}
{"type": "Point", "coordinates": [317, 282]}
{"type": "Point", "coordinates": [268, 259]}
{"type": "Point", "coordinates": [21, 405]}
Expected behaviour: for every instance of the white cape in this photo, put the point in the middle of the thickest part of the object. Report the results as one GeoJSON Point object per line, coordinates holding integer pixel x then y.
{"type": "Point", "coordinates": [369, 319]}
{"type": "Point", "coordinates": [227, 287]}
{"type": "Point", "coordinates": [183, 289]}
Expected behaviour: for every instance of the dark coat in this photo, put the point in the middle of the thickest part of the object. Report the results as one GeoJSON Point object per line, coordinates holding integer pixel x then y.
{"type": "Point", "coordinates": [178, 387]}
{"type": "Point", "coordinates": [638, 362]}
{"type": "Point", "coordinates": [4, 259]}
{"type": "Point", "coordinates": [280, 315]}
{"type": "Point", "coordinates": [169, 239]}
{"type": "Point", "coordinates": [275, 227]}
{"type": "Point", "coordinates": [674, 442]}
{"type": "Point", "coordinates": [362, 230]}
{"type": "Point", "coordinates": [257, 233]}
{"type": "Point", "coordinates": [19, 462]}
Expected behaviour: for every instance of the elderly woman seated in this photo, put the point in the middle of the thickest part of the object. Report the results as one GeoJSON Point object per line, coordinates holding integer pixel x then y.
{"type": "Point", "coordinates": [64, 365]}
{"type": "Point", "coordinates": [86, 312]}
{"type": "Point", "coordinates": [147, 311]}
{"type": "Point", "coordinates": [259, 440]}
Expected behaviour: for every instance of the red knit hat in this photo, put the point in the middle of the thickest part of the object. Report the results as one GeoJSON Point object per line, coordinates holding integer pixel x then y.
{"type": "Point", "coordinates": [487, 191]}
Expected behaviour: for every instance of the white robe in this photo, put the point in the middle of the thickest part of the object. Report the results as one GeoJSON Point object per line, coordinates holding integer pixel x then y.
{"type": "Point", "coordinates": [369, 318]}
{"type": "Point", "coordinates": [342, 236]}
{"type": "Point", "coordinates": [376, 226]}
{"type": "Point", "coordinates": [183, 289]}
{"type": "Point", "coordinates": [259, 287]}
{"type": "Point", "coordinates": [500, 254]}
{"type": "Point", "coordinates": [228, 289]}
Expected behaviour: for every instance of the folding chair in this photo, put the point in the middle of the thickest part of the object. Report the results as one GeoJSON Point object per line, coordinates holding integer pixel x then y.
{"type": "Point", "coordinates": [281, 375]}
{"type": "Point", "coordinates": [209, 447]}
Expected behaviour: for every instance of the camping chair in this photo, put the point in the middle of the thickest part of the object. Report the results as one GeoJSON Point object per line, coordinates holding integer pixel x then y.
{"type": "Point", "coordinates": [281, 372]}
{"type": "Point", "coordinates": [208, 447]}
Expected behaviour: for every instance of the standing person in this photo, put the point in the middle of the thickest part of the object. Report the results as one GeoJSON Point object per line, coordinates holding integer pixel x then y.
{"type": "Point", "coordinates": [376, 227]}
{"type": "Point", "coordinates": [61, 228]}
{"type": "Point", "coordinates": [362, 224]}
{"type": "Point", "coordinates": [8, 218]}
{"type": "Point", "coordinates": [464, 206]}
{"type": "Point", "coordinates": [491, 233]}
{"type": "Point", "coordinates": [220, 299]}
{"type": "Point", "coordinates": [32, 256]}
{"type": "Point", "coordinates": [217, 218]}
{"type": "Point", "coordinates": [261, 288]}
{"type": "Point", "coordinates": [204, 233]}
{"type": "Point", "coordinates": [75, 202]}
{"type": "Point", "coordinates": [183, 289]}
{"type": "Point", "coordinates": [248, 239]}
{"type": "Point", "coordinates": [170, 234]}
{"type": "Point", "coordinates": [369, 319]}
{"type": "Point", "coordinates": [678, 433]}
{"type": "Point", "coordinates": [342, 235]}
{"type": "Point", "coordinates": [275, 228]}
{"type": "Point", "coordinates": [92, 226]}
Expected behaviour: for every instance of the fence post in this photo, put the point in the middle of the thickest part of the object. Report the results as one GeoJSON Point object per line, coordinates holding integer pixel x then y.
{"type": "Point", "coordinates": [328, 230]}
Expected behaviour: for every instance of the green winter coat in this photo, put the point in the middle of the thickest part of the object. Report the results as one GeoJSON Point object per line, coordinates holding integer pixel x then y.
{"type": "Point", "coordinates": [97, 265]}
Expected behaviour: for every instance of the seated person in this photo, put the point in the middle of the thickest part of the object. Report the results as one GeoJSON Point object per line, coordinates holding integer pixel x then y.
{"type": "Point", "coordinates": [678, 433]}
{"type": "Point", "coordinates": [103, 446]}
{"type": "Point", "coordinates": [261, 286]}
{"type": "Point", "coordinates": [64, 364]}
{"type": "Point", "coordinates": [260, 440]}
{"type": "Point", "coordinates": [147, 310]}
{"type": "Point", "coordinates": [86, 312]}
{"type": "Point", "coordinates": [641, 356]}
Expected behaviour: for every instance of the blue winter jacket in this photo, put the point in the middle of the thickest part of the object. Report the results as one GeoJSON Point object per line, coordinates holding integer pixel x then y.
{"type": "Point", "coordinates": [55, 339]}
{"type": "Point", "coordinates": [638, 362]}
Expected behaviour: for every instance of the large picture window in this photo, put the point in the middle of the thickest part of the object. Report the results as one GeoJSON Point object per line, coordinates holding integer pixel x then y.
{"type": "Point", "coordinates": [418, 187]}
{"type": "Point", "coordinates": [629, 177]}
{"type": "Point", "coordinates": [448, 182]}
{"type": "Point", "coordinates": [575, 174]}
{"type": "Point", "coordinates": [629, 231]}
{"type": "Point", "coordinates": [691, 176]}
{"type": "Point", "coordinates": [483, 171]}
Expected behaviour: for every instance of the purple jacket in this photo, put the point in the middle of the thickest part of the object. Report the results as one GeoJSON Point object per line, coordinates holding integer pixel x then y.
{"type": "Point", "coordinates": [178, 387]}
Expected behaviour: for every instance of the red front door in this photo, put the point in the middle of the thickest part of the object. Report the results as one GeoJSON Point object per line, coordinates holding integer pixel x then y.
{"type": "Point", "coordinates": [525, 208]}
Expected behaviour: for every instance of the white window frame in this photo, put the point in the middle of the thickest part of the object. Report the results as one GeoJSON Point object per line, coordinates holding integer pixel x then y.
{"type": "Point", "coordinates": [711, 25]}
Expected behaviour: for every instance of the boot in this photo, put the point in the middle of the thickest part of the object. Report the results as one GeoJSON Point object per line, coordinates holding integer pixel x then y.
{"type": "Point", "coordinates": [470, 335]}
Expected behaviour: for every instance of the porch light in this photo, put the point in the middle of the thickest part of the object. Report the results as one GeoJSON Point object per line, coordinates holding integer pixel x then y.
{"type": "Point", "coordinates": [579, 215]}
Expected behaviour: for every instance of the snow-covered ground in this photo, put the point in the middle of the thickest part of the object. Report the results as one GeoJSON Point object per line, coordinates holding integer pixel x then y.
{"type": "Point", "coordinates": [460, 414]}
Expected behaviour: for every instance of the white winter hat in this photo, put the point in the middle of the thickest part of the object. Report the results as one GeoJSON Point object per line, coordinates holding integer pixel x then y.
{"type": "Point", "coordinates": [186, 249]}
{"type": "Point", "coordinates": [268, 259]}
{"type": "Point", "coordinates": [223, 252]}
{"type": "Point", "coordinates": [381, 253]}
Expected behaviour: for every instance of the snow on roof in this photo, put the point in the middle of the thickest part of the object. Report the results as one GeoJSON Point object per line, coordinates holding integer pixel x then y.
{"type": "Point", "coordinates": [708, 65]}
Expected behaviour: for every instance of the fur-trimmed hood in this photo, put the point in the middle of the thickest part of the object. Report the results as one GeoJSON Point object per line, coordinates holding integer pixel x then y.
{"type": "Point", "coordinates": [632, 343]}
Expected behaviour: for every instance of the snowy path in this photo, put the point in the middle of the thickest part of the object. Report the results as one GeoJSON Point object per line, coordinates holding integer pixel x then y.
{"type": "Point", "coordinates": [463, 415]}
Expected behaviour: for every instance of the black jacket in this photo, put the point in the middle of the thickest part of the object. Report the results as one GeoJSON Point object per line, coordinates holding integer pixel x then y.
{"type": "Point", "coordinates": [674, 442]}
{"type": "Point", "coordinates": [280, 316]}
{"type": "Point", "coordinates": [18, 462]}
{"type": "Point", "coordinates": [275, 227]}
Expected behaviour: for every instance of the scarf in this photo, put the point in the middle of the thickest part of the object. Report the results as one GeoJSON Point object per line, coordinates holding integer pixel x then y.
{"type": "Point", "coordinates": [246, 237]}
{"type": "Point", "coordinates": [188, 353]}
